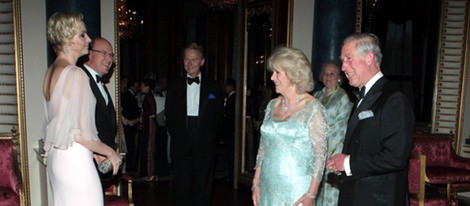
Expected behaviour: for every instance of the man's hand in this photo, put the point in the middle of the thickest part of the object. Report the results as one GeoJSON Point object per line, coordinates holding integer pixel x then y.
{"type": "Point", "coordinates": [336, 163]}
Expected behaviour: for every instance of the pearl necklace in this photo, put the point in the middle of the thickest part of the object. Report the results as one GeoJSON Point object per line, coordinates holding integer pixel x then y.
{"type": "Point", "coordinates": [285, 108]}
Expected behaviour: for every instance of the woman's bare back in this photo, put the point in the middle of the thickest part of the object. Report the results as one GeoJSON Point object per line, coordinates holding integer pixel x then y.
{"type": "Point", "coordinates": [52, 76]}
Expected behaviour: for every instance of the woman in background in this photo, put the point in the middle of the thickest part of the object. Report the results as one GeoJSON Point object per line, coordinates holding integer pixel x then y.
{"type": "Point", "coordinates": [292, 152]}
{"type": "Point", "coordinates": [149, 133]}
{"type": "Point", "coordinates": [71, 136]}
{"type": "Point", "coordinates": [338, 107]}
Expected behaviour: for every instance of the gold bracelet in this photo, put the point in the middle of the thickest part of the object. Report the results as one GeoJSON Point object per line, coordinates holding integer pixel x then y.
{"type": "Point", "coordinates": [310, 196]}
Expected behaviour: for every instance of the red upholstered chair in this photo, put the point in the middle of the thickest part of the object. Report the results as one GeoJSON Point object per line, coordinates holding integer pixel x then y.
{"type": "Point", "coordinates": [416, 180]}
{"type": "Point", "coordinates": [445, 170]}
{"type": "Point", "coordinates": [9, 181]}
{"type": "Point", "coordinates": [114, 192]}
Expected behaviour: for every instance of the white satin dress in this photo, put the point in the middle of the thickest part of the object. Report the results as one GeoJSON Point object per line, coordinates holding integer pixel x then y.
{"type": "Point", "coordinates": [70, 117]}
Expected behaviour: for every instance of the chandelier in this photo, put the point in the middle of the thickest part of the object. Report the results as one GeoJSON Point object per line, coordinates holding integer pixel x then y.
{"type": "Point", "coordinates": [221, 4]}
{"type": "Point", "coordinates": [128, 21]}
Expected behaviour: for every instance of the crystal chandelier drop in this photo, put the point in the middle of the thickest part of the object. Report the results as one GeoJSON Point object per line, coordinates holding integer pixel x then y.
{"type": "Point", "coordinates": [128, 21]}
{"type": "Point", "coordinates": [221, 4]}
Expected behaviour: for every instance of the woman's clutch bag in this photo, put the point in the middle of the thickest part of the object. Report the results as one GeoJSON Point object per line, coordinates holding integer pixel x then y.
{"type": "Point", "coordinates": [105, 166]}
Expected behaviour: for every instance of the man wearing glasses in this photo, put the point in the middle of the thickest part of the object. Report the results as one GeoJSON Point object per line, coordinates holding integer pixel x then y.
{"type": "Point", "coordinates": [100, 60]}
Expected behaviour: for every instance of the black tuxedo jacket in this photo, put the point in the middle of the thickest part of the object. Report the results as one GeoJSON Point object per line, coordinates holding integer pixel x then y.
{"type": "Point", "coordinates": [130, 107]}
{"type": "Point", "coordinates": [105, 115]}
{"type": "Point", "coordinates": [229, 118]}
{"type": "Point", "coordinates": [210, 119]}
{"type": "Point", "coordinates": [378, 139]}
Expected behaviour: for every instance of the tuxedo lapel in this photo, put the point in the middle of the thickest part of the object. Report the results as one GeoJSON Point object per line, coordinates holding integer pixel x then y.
{"type": "Point", "coordinates": [95, 89]}
{"type": "Point", "coordinates": [184, 96]}
{"type": "Point", "coordinates": [183, 104]}
{"type": "Point", "coordinates": [112, 113]}
{"type": "Point", "coordinates": [99, 97]}
{"type": "Point", "coordinates": [204, 97]}
{"type": "Point", "coordinates": [367, 103]}
{"type": "Point", "coordinates": [97, 92]}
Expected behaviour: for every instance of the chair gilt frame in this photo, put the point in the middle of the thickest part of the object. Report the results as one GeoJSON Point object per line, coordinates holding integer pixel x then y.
{"type": "Point", "coordinates": [450, 83]}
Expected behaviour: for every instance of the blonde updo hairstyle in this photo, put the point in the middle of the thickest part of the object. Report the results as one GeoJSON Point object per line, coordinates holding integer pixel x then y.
{"type": "Point", "coordinates": [61, 28]}
{"type": "Point", "coordinates": [296, 66]}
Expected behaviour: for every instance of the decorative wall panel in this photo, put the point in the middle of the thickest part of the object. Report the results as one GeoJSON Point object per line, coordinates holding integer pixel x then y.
{"type": "Point", "coordinates": [450, 74]}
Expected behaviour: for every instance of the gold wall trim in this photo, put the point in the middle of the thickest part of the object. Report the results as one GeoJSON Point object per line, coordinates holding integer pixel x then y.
{"type": "Point", "coordinates": [464, 78]}
{"type": "Point", "coordinates": [25, 195]}
{"type": "Point", "coordinates": [358, 19]}
{"type": "Point", "coordinates": [290, 26]}
{"type": "Point", "coordinates": [117, 76]}
{"type": "Point", "coordinates": [450, 82]}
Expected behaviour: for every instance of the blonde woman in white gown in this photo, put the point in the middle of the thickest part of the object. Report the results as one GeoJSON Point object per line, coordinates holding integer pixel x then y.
{"type": "Point", "coordinates": [71, 137]}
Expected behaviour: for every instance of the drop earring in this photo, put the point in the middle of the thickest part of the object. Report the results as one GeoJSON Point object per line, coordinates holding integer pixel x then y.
{"type": "Point", "coordinates": [67, 51]}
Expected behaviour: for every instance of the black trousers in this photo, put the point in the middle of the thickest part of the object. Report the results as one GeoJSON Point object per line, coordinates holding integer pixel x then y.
{"type": "Point", "coordinates": [193, 173]}
{"type": "Point", "coordinates": [130, 133]}
{"type": "Point", "coordinates": [161, 160]}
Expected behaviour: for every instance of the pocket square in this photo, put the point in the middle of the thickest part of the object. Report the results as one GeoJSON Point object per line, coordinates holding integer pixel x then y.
{"type": "Point", "coordinates": [366, 114]}
{"type": "Point", "coordinates": [211, 96]}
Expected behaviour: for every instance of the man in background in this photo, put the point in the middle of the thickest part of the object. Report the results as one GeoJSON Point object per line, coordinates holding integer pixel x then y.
{"type": "Point", "coordinates": [131, 119]}
{"type": "Point", "coordinates": [228, 131]}
{"type": "Point", "coordinates": [194, 112]}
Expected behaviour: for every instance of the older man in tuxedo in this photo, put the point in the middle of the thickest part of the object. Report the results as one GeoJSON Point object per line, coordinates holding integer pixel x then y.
{"type": "Point", "coordinates": [194, 111]}
{"type": "Point", "coordinates": [378, 139]}
{"type": "Point", "coordinates": [100, 60]}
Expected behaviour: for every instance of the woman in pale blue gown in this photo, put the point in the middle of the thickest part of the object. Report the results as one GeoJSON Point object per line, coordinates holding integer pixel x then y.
{"type": "Point", "coordinates": [338, 107]}
{"type": "Point", "coordinates": [292, 152]}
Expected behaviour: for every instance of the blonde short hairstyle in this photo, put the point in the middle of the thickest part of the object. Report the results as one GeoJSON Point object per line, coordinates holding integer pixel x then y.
{"type": "Point", "coordinates": [296, 66]}
{"type": "Point", "coordinates": [61, 28]}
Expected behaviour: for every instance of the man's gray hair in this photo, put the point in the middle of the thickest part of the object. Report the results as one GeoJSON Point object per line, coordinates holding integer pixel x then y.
{"type": "Point", "coordinates": [366, 42]}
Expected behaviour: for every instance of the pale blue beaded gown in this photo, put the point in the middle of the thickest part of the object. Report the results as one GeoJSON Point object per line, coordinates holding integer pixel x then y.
{"type": "Point", "coordinates": [291, 153]}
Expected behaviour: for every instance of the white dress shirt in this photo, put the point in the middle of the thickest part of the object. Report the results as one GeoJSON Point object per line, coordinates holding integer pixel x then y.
{"type": "Point", "coordinates": [100, 85]}
{"type": "Point", "coordinates": [370, 83]}
{"type": "Point", "coordinates": [192, 97]}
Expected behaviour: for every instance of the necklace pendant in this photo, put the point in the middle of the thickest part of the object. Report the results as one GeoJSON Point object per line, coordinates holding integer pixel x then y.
{"type": "Point", "coordinates": [285, 108]}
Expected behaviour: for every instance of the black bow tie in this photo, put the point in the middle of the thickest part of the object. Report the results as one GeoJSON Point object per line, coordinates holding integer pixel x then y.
{"type": "Point", "coordinates": [193, 80]}
{"type": "Point", "coordinates": [362, 92]}
{"type": "Point", "coordinates": [99, 79]}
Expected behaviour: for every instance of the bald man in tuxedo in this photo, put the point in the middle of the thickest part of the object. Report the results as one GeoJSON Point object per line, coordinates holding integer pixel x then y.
{"type": "Point", "coordinates": [100, 60]}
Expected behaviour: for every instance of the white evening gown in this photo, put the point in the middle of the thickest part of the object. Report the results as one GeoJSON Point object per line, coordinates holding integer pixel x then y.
{"type": "Point", "coordinates": [70, 116]}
